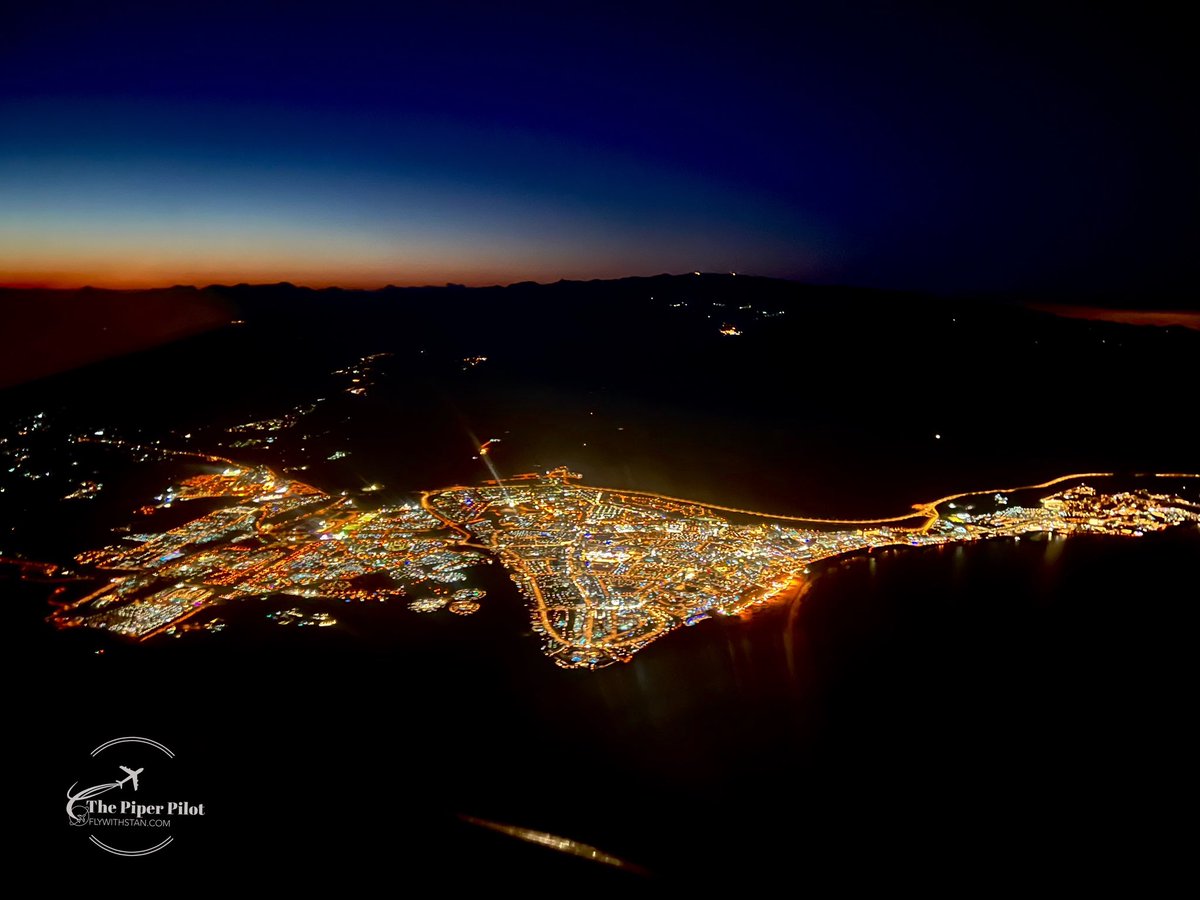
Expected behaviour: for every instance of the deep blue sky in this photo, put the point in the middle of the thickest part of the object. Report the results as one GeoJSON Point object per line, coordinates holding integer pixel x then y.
{"type": "Point", "coordinates": [894, 145]}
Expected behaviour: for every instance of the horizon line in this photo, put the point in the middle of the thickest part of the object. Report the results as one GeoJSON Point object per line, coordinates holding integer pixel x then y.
{"type": "Point", "coordinates": [322, 286]}
{"type": "Point", "coordinates": [1070, 306]}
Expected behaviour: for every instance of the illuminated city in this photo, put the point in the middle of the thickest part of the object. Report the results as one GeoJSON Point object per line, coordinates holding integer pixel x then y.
{"type": "Point", "coordinates": [280, 536]}
{"type": "Point", "coordinates": [604, 571]}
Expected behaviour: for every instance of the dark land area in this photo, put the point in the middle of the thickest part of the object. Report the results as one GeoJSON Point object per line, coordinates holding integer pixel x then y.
{"type": "Point", "coordinates": [829, 399]}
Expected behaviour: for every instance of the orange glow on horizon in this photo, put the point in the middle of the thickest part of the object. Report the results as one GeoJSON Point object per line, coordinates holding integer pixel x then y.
{"type": "Point", "coordinates": [65, 281]}
{"type": "Point", "coordinates": [1155, 317]}
{"type": "Point", "coordinates": [116, 280]}
{"type": "Point", "coordinates": [110, 283]}
{"type": "Point", "coordinates": [143, 258]}
{"type": "Point", "coordinates": [317, 277]}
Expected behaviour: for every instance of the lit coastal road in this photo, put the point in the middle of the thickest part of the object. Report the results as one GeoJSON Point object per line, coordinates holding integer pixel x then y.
{"type": "Point", "coordinates": [608, 570]}
{"type": "Point", "coordinates": [927, 511]}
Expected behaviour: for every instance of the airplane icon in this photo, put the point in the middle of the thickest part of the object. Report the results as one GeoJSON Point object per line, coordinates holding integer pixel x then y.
{"type": "Point", "coordinates": [130, 774]}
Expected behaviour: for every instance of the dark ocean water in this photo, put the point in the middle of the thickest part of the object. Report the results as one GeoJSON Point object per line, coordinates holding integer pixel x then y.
{"type": "Point", "coordinates": [1012, 704]}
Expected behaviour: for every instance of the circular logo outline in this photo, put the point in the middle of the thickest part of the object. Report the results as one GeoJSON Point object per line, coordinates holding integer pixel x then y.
{"type": "Point", "coordinates": [130, 739]}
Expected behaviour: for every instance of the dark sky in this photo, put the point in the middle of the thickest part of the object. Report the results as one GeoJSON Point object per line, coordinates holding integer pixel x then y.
{"type": "Point", "coordinates": [896, 145]}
